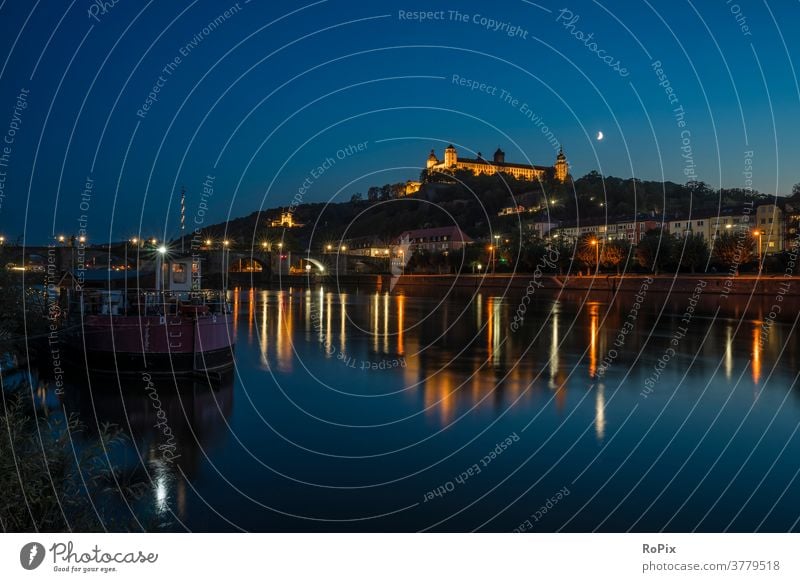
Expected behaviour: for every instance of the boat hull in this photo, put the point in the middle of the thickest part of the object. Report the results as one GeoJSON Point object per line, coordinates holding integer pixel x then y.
{"type": "Point", "coordinates": [153, 344]}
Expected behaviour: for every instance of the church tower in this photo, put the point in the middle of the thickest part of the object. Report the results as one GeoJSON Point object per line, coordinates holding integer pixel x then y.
{"type": "Point", "coordinates": [499, 156]}
{"type": "Point", "coordinates": [450, 157]}
{"type": "Point", "coordinates": [561, 167]}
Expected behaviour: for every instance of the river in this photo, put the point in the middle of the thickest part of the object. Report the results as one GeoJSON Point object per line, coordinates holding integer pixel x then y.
{"type": "Point", "coordinates": [363, 411]}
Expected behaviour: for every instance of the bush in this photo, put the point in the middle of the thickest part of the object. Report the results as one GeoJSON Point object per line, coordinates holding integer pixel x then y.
{"type": "Point", "coordinates": [51, 481]}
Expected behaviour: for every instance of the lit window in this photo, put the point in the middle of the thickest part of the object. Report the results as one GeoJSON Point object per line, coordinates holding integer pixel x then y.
{"type": "Point", "coordinates": [178, 273]}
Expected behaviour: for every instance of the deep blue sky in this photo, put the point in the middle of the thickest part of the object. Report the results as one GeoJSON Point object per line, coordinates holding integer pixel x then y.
{"type": "Point", "coordinates": [271, 102]}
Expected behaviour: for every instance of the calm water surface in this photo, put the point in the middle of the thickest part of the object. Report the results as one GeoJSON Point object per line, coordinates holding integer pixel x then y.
{"type": "Point", "coordinates": [365, 411]}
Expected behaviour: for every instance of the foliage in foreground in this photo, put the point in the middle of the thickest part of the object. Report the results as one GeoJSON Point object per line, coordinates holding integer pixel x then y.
{"type": "Point", "coordinates": [41, 486]}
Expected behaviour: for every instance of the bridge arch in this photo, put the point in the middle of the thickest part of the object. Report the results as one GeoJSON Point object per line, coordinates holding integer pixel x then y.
{"type": "Point", "coordinates": [318, 264]}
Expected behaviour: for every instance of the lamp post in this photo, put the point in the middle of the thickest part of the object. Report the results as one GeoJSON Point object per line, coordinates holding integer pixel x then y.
{"type": "Point", "coordinates": [225, 259]}
{"type": "Point", "coordinates": [596, 245]}
{"type": "Point", "coordinates": [162, 251]}
{"type": "Point", "coordinates": [494, 253]}
{"type": "Point", "coordinates": [403, 262]}
{"type": "Point", "coordinates": [758, 234]}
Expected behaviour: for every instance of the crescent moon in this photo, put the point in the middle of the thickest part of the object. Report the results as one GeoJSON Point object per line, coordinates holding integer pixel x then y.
{"type": "Point", "coordinates": [599, 135]}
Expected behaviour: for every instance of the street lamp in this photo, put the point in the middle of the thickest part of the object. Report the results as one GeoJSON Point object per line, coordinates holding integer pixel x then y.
{"type": "Point", "coordinates": [328, 248]}
{"type": "Point", "coordinates": [403, 262]}
{"type": "Point", "coordinates": [61, 238]}
{"type": "Point", "coordinates": [597, 254]}
{"type": "Point", "coordinates": [758, 234]}
{"type": "Point", "coordinates": [344, 248]}
{"type": "Point", "coordinates": [494, 252]}
{"type": "Point", "coordinates": [134, 241]}
{"type": "Point", "coordinates": [161, 252]}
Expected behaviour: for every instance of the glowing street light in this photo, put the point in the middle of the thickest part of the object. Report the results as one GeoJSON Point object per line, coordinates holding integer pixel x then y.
{"type": "Point", "coordinates": [596, 245]}
{"type": "Point", "coordinates": [329, 248]}
{"type": "Point", "coordinates": [162, 250]}
{"type": "Point", "coordinates": [61, 238]}
{"type": "Point", "coordinates": [208, 242]}
{"type": "Point", "coordinates": [226, 242]}
{"type": "Point", "coordinates": [758, 234]}
{"type": "Point", "coordinates": [344, 248]}
{"type": "Point", "coordinates": [81, 239]}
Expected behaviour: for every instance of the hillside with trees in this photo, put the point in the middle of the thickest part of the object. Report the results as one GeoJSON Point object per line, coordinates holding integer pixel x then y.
{"type": "Point", "coordinates": [473, 203]}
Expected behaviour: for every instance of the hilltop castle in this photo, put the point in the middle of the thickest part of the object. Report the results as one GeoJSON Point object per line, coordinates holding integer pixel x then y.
{"type": "Point", "coordinates": [480, 165]}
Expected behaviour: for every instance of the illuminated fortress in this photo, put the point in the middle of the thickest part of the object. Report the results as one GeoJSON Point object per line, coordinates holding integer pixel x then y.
{"type": "Point", "coordinates": [480, 165]}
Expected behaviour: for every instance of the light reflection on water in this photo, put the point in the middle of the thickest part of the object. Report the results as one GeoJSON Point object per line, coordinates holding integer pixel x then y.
{"type": "Point", "coordinates": [353, 405]}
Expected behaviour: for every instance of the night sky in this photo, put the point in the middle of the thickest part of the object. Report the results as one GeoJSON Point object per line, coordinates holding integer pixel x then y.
{"type": "Point", "coordinates": [264, 93]}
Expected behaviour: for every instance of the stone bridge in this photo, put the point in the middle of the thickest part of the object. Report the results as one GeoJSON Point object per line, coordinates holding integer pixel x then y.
{"type": "Point", "coordinates": [220, 266]}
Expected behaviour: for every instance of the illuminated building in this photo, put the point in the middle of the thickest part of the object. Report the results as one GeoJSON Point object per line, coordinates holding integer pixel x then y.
{"type": "Point", "coordinates": [480, 165]}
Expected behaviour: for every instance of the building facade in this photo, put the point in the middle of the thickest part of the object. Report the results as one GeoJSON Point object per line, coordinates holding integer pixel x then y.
{"type": "Point", "coordinates": [630, 229]}
{"type": "Point", "coordinates": [480, 165]}
{"type": "Point", "coordinates": [446, 238]}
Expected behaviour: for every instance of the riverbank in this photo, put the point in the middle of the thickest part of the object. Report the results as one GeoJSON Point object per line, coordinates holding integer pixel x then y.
{"type": "Point", "coordinates": [773, 297]}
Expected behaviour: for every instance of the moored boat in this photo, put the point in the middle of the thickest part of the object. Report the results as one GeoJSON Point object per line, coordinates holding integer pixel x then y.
{"type": "Point", "coordinates": [172, 331]}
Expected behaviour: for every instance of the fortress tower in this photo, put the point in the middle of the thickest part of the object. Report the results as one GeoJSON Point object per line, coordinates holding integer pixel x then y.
{"type": "Point", "coordinates": [432, 160]}
{"type": "Point", "coordinates": [450, 157]}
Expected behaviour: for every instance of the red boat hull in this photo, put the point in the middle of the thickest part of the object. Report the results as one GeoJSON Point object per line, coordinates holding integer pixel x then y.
{"type": "Point", "coordinates": [169, 344]}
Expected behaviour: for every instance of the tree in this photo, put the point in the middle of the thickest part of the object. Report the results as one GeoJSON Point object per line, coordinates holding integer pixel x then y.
{"type": "Point", "coordinates": [734, 249]}
{"type": "Point", "coordinates": [586, 250]}
{"type": "Point", "coordinates": [796, 190]}
{"type": "Point", "coordinates": [357, 197]}
{"type": "Point", "coordinates": [693, 253]}
{"type": "Point", "coordinates": [614, 253]}
{"type": "Point", "coordinates": [654, 251]}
